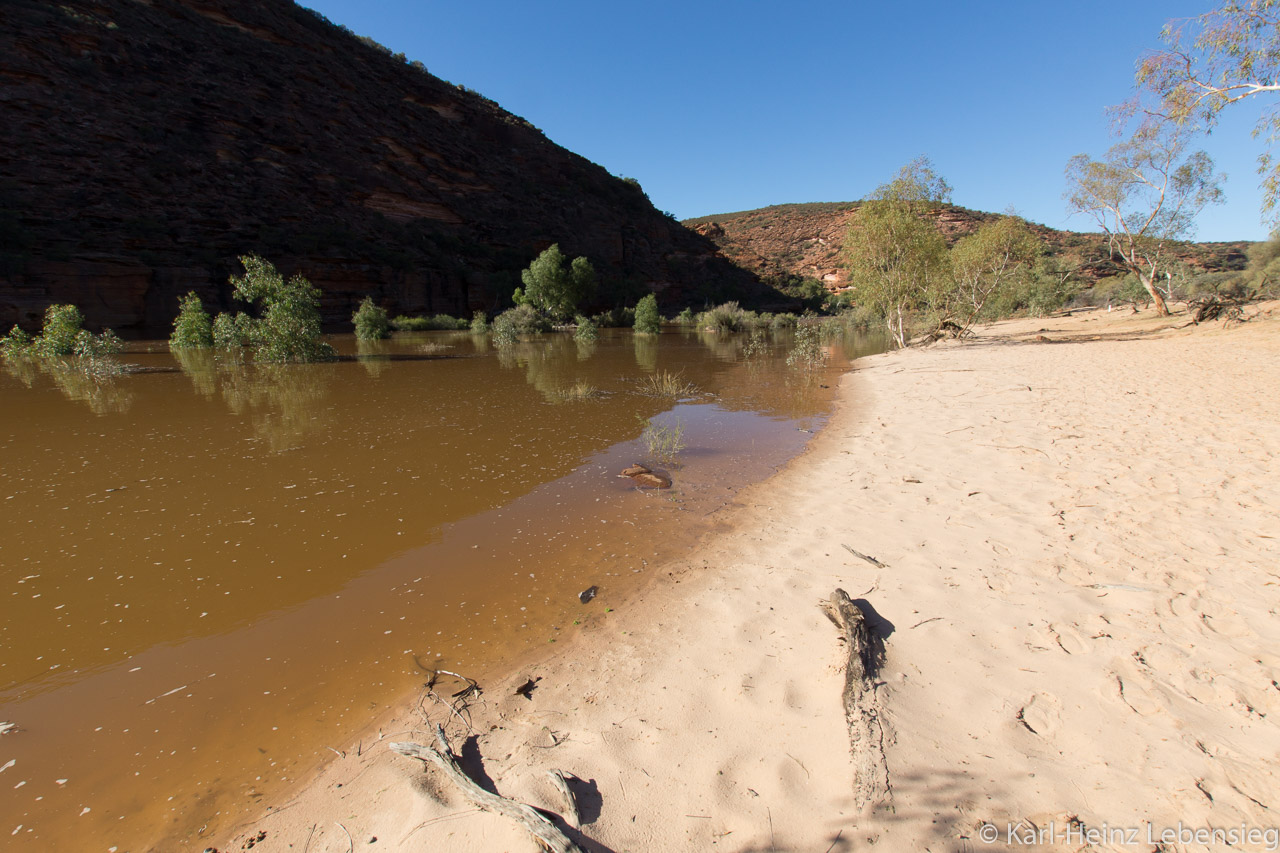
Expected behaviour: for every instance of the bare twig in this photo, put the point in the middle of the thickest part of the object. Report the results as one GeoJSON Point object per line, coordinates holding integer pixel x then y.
{"type": "Point", "coordinates": [351, 845]}
{"type": "Point", "coordinates": [861, 556]}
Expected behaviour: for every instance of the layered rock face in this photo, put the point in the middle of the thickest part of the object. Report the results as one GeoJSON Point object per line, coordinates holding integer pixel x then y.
{"type": "Point", "coordinates": [805, 240]}
{"type": "Point", "coordinates": [146, 144]}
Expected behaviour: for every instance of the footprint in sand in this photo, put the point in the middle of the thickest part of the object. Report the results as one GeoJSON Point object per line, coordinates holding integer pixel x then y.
{"type": "Point", "coordinates": [1041, 715]}
{"type": "Point", "coordinates": [1131, 690]}
{"type": "Point", "coordinates": [1068, 639]}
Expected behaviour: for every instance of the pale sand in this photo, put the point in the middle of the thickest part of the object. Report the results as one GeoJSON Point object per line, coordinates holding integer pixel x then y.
{"type": "Point", "coordinates": [1082, 553]}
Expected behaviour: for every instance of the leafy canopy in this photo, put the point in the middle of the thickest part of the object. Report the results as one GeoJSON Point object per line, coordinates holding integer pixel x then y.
{"type": "Point", "coordinates": [371, 321]}
{"type": "Point", "coordinates": [897, 260]}
{"type": "Point", "coordinates": [648, 320]}
{"type": "Point", "coordinates": [288, 329]}
{"type": "Point", "coordinates": [1146, 192]}
{"type": "Point", "coordinates": [1212, 61]}
{"type": "Point", "coordinates": [555, 287]}
{"type": "Point", "coordinates": [192, 328]}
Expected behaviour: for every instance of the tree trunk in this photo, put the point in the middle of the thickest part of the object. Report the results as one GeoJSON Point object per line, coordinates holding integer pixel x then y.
{"type": "Point", "coordinates": [1149, 282]}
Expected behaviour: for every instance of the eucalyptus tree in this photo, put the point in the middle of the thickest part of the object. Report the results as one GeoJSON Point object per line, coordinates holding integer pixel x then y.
{"type": "Point", "coordinates": [1144, 194]}
{"type": "Point", "coordinates": [897, 259]}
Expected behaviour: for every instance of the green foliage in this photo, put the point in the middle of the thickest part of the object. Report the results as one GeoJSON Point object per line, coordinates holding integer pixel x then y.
{"type": "Point", "coordinates": [1146, 193]}
{"type": "Point", "coordinates": [587, 330]}
{"type": "Point", "coordinates": [479, 324]}
{"type": "Point", "coordinates": [648, 320]}
{"type": "Point", "coordinates": [91, 346]}
{"type": "Point", "coordinates": [663, 441]}
{"type": "Point", "coordinates": [685, 317]}
{"type": "Point", "coordinates": [897, 259]}
{"type": "Point", "coordinates": [1212, 61]}
{"type": "Point", "coordinates": [807, 352]}
{"type": "Point", "coordinates": [231, 332]}
{"type": "Point", "coordinates": [15, 344]}
{"type": "Point", "coordinates": [996, 262]}
{"type": "Point", "coordinates": [61, 328]}
{"type": "Point", "coordinates": [616, 318]}
{"type": "Point", "coordinates": [371, 321]}
{"type": "Point", "coordinates": [554, 287]}
{"type": "Point", "coordinates": [289, 327]}
{"type": "Point", "coordinates": [438, 323]}
{"type": "Point", "coordinates": [192, 328]}
{"type": "Point", "coordinates": [514, 322]}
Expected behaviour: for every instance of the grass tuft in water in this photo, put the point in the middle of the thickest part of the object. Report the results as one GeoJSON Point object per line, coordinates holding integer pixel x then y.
{"type": "Point", "coordinates": [666, 384]}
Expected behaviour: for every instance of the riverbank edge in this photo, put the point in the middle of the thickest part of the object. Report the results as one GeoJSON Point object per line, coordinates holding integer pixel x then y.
{"type": "Point", "coordinates": [620, 660]}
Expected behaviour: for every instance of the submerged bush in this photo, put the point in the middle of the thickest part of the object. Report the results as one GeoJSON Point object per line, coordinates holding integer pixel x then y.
{"type": "Point", "coordinates": [521, 320]}
{"type": "Point", "coordinates": [289, 328]}
{"type": "Point", "coordinates": [371, 321]}
{"type": "Point", "coordinates": [685, 317]}
{"type": "Point", "coordinates": [807, 351]}
{"type": "Point", "coordinates": [16, 343]}
{"type": "Point", "coordinates": [479, 323]}
{"type": "Point", "coordinates": [192, 328]}
{"type": "Point", "coordinates": [61, 328]}
{"type": "Point", "coordinates": [648, 320]}
{"type": "Point", "coordinates": [587, 330]}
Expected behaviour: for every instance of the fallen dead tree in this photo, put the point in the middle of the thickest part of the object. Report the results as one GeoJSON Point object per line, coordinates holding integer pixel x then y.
{"type": "Point", "coordinates": [861, 705]}
{"type": "Point", "coordinates": [538, 825]}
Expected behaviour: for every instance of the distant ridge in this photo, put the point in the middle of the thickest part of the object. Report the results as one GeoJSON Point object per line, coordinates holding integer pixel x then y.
{"type": "Point", "coordinates": [145, 144]}
{"type": "Point", "coordinates": [804, 240]}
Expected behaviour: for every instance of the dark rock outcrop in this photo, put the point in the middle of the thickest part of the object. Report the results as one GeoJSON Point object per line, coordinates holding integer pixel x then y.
{"type": "Point", "coordinates": [146, 144]}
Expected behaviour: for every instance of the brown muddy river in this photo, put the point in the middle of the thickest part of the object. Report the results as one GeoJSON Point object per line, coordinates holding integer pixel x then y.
{"type": "Point", "coordinates": [213, 572]}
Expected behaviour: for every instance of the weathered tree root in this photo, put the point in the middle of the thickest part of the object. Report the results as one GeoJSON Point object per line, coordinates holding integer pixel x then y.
{"type": "Point", "coordinates": [441, 755]}
{"type": "Point", "coordinates": [871, 785]}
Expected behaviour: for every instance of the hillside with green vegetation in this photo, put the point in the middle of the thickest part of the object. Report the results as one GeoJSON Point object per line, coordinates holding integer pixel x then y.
{"type": "Point", "coordinates": [804, 241]}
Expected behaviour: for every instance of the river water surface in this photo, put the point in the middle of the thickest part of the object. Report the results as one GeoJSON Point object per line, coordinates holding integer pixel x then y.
{"type": "Point", "coordinates": [214, 571]}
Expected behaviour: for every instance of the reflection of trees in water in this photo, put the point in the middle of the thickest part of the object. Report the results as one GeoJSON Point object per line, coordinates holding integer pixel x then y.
{"type": "Point", "coordinates": [646, 347]}
{"type": "Point", "coordinates": [281, 400]}
{"type": "Point", "coordinates": [550, 364]}
{"type": "Point", "coordinates": [99, 389]}
{"type": "Point", "coordinates": [374, 357]}
{"type": "Point", "coordinates": [586, 349]}
{"type": "Point", "coordinates": [201, 367]}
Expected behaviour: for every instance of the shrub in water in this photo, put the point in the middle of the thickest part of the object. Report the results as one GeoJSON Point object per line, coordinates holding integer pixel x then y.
{"type": "Point", "coordinates": [587, 329]}
{"type": "Point", "coordinates": [289, 330]}
{"type": "Point", "coordinates": [648, 320]}
{"type": "Point", "coordinates": [61, 327]}
{"type": "Point", "coordinates": [479, 323]}
{"type": "Point", "coordinates": [16, 343]}
{"type": "Point", "coordinates": [192, 328]}
{"type": "Point", "coordinates": [371, 321]}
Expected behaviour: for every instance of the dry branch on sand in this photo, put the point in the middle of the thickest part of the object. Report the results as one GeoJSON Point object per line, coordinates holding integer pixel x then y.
{"type": "Point", "coordinates": [547, 833]}
{"type": "Point", "coordinates": [861, 708]}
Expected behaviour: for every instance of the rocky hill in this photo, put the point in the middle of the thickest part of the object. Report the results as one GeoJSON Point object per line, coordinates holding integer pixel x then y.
{"type": "Point", "coordinates": [804, 240]}
{"type": "Point", "coordinates": [146, 144]}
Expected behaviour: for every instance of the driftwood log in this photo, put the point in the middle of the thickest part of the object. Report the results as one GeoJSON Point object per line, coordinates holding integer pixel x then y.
{"type": "Point", "coordinates": [441, 755]}
{"type": "Point", "coordinates": [861, 705]}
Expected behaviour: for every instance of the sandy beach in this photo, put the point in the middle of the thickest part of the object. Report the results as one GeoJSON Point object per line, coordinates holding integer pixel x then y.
{"type": "Point", "coordinates": [1076, 521]}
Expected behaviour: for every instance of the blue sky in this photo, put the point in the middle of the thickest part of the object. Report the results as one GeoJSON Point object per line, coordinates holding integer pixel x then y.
{"type": "Point", "coordinates": [717, 107]}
